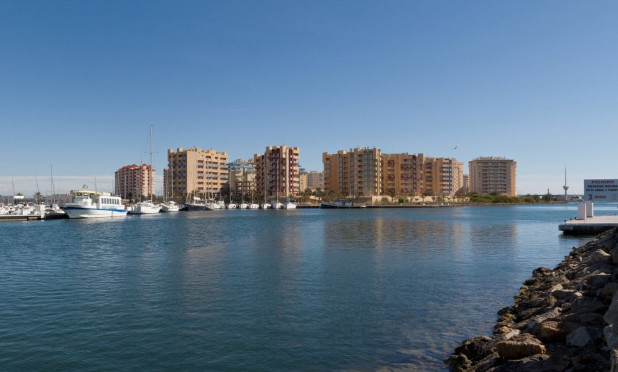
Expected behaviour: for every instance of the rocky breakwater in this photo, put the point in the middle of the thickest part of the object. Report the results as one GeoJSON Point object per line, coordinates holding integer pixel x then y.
{"type": "Point", "coordinates": [565, 319]}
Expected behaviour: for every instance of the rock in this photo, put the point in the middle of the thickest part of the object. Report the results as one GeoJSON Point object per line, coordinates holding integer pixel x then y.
{"type": "Point", "coordinates": [611, 315]}
{"type": "Point", "coordinates": [472, 350]}
{"type": "Point", "coordinates": [599, 256]}
{"type": "Point", "coordinates": [592, 319]}
{"type": "Point", "coordinates": [614, 360]}
{"type": "Point", "coordinates": [609, 289]}
{"type": "Point", "coordinates": [562, 294]}
{"type": "Point", "coordinates": [541, 271]}
{"type": "Point", "coordinates": [550, 331]}
{"type": "Point", "coordinates": [517, 349]}
{"type": "Point", "coordinates": [565, 319]}
{"type": "Point", "coordinates": [611, 337]}
{"type": "Point", "coordinates": [580, 337]}
{"type": "Point", "coordinates": [615, 256]}
{"type": "Point", "coordinates": [598, 281]}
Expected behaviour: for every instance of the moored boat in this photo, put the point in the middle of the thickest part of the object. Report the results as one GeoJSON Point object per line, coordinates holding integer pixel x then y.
{"type": "Point", "coordinates": [90, 204]}
{"type": "Point", "coordinates": [196, 204]}
{"type": "Point", "coordinates": [145, 207]}
{"type": "Point", "coordinates": [337, 204]}
{"type": "Point", "coordinates": [170, 206]}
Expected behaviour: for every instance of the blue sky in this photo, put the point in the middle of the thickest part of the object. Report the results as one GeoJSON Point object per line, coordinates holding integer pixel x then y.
{"type": "Point", "coordinates": [82, 81]}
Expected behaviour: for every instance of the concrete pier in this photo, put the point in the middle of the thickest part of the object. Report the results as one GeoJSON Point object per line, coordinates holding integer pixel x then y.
{"type": "Point", "coordinates": [591, 225]}
{"type": "Point", "coordinates": [587, 223]}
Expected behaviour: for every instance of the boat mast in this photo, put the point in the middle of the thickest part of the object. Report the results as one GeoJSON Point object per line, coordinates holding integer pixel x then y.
{"type": "Point", "coordinates": [51, 173]}
{"type": "Point", "coordinates": [150, 168]}
{"type": "Point", "coordinates": [38, 192]}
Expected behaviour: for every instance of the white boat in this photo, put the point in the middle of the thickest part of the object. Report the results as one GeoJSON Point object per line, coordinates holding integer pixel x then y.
{"type": "Point", "coordinates": [145, 207]}
{"type": "Point", "coordinates": [289, 204]}
{"type": "Point", "coordinates": [170, 206]}
{"type": "Point", "coordinates": [196, 204]}
{"type": "Point", "coordinates": [212, 205]}
{"type": "Point", "coordinates": [266, 206]}
{"type": "Point", "coordinates": [89, 204]}
{"type": "Point", "coordinates": [254, 206]}
{"type": "Point", "coordinates": [231, 206]}
{"type": "Point", "coordinates": [276, 205]}
{"type": "Point", "coordinates": [243, 206]}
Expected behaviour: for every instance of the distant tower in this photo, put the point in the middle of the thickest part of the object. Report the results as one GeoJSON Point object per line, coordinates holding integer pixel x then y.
{"type": "Point", "coordinates": [565, 187]}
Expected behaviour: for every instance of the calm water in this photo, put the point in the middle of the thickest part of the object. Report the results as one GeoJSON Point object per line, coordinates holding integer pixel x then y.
{"type": "Point", "coordinates": [303, 290]}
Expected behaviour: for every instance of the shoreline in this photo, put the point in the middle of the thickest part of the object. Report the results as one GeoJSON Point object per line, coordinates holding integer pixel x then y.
{"type": "Point", "coordinates": [565, 319]}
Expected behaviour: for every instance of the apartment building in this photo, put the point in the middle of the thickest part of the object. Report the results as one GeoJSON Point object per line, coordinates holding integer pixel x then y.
{"type": "Point", "coordinates": [442, 176]}
{"type": "Point", "coordinates": [277, 172]}
{"type": "Point", "coordinates": [315, 180]}
{"type": "Point", "coordinates": [241, 176]}
{"type": "Point", "coordinates": [402, 174]}
{"type": "Point", "coordinates": [493, 175]}
{"type": "Point", "coordinates": [195, 170]}
{"type": "Point", "coordinates": [353, 173]}
{"type": "Point", "coordinates": [135, 181]}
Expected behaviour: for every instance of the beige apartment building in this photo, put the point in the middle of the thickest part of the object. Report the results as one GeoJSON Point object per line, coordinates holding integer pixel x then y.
{"type": "Point", "coordinates": [302, 181]}
{"type": "Point", "coordinates": [353, 173]}
{"type": "Point", "coordinates": [277, 172]}
{"type": "Point", "coordinates": [443, 176]}
{"type": "Point", "coordinates": [135, 181]}
{"type": "Point", "coordinates": [195, 171]}
{"type": "Point", "coordinates": [493, 175]}
{"type": "Point", "coordinates": [402, 174]}
{"type": "Point", "coordinates": [315, 180]}
{"type": "Point", "coordinates": [241, 175]}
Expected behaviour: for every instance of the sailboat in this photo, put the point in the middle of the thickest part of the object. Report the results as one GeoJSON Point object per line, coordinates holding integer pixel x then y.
{"type": "Point", "coordinates": [170, 205]}
{"type": "Point", "coordinates": [147, 207]}
{"type": "Point", "coordinates": [253, 205]}
{"type": "Point", "coordinates": [195, 203]}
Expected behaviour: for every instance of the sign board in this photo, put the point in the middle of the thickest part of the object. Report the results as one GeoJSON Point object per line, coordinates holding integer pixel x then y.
{"type": "Point", "coordinates": [601, 190]}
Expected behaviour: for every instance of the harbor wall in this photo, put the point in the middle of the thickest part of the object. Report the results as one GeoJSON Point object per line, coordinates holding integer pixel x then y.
{"type": "Point", "coordinates": [563, 319]}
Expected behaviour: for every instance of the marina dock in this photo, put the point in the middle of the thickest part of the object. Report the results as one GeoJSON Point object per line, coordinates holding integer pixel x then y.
{"type": "Point", "coordinates": [591, 225]}
{"type": "Point", "coordinates": [587, 223]}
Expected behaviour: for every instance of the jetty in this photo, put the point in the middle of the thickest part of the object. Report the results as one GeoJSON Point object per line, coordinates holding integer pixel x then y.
{"type": "Point", "coordinates": [587, 223]}
{"type": "Point", "coordinates": [563, 319]}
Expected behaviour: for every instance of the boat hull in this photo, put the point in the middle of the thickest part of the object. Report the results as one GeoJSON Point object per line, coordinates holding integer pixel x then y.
{"type": "Point", "coordinates": [81, 212]}
{"type": "Point", "coordinates": [195, 207]}
{"type": "Point", "coordinates": [170, 207]}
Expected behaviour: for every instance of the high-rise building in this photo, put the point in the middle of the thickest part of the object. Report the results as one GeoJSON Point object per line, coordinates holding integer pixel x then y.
{"type": "Point", "coordinates": [277, 171]}
{"type": "Point", "coordinates": [402, 174]}
{"type": "Point", "coordinates": [194, 170]}
{"type": "Point", "coordinates": [241, 175]}
{"type": "Point", "coordinates": [493, 175]}
{"type": "Point", "coordinates": [353, 173]}
{"type": "Point", "coordinates": [442, 176]}
{"type": "Point", "coordinates": [135, 181]}
{"type": "Point", "coordinates": [315, 180]}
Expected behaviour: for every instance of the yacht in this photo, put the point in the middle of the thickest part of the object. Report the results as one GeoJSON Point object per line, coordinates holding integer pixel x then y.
{"type": "Point", "coordinates": [89, 204]}
{"type": "Point", "coordinates": [145, 207]}
{"type": "Point", "coordinates": [170, 206]}
{"type": "Point", "coordinates": [212, 205]}
{"type": "Point", "coordinates": [196, 204]}
{"type": "Point", "coordinates": [289, 204]}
